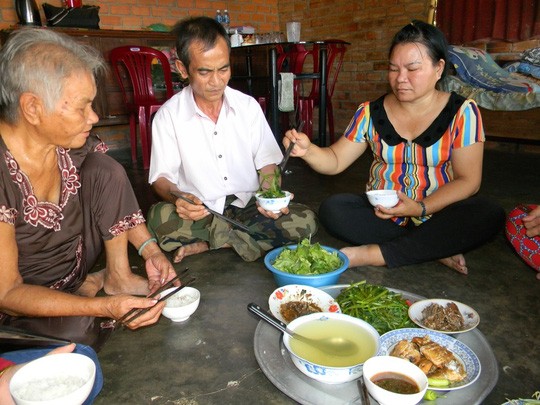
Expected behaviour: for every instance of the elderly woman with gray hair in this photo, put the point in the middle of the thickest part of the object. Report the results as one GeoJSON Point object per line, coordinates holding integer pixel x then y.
{"type": "Point", "coordinates": [63, 201]}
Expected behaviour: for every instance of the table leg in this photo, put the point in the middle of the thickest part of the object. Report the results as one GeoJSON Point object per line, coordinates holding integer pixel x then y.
{"type": "Point", "coordinates": [274, 111]}
{"type": "Point", "coordinates": [322, 95]}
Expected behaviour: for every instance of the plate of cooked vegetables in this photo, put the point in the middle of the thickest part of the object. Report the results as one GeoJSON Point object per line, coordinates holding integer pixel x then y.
{"type": "Point", "coordinates": [448, 363]}
{"type": "Point", "coordinates": [444, 316]}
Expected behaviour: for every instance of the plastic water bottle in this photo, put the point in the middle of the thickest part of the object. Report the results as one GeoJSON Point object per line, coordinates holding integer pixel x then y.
{"type": "Point", "coordinates": [226, 20]}
{"type": "Point", "coordinates": [219, 17]}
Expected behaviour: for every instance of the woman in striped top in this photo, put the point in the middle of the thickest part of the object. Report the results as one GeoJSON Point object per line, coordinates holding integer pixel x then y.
{"type": "Point", "coordinates": [428, 146]}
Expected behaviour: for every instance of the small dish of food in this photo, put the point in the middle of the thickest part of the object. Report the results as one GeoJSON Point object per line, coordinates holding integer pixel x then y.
{"type": "Point", "coordinates": [444, 316]}
{"type": "Point", "coordinates": [448, 363]}
{"type": "Point", "coordinates": [181, 305]}
{"type": "Point", "coordinates": [292, 301]}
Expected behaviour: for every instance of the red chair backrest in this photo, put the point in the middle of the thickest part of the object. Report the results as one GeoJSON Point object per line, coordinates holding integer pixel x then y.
{"type": "Point", "coordinates": [336, 53]}
{"type": "Point", "coordinates": [138, 61]}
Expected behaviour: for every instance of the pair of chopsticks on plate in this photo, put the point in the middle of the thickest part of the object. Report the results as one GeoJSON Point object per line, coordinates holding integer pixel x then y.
{"type": "Point", "coordinates": [134, 313]}
{"type": "Point", "coordinates": [215, 213]}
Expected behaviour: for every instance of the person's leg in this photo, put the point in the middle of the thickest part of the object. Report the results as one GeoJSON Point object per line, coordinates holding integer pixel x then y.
{"type": "Point", "coordinates": [110, 211]}
{"type": "Point", "coordinates": [456, 229]}
{"type": "Point", "coordinates": [351, 218]}
{"type": "Point", "coordinates": [183, 237]}
{"type": "Point", "coordinates": [27, 355]}
{"type": "Point", "coordinates": [265, 233]}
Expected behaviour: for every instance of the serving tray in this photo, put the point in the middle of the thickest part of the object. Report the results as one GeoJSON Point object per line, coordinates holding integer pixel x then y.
{"type": "Point", "coordinates": [276, 364]}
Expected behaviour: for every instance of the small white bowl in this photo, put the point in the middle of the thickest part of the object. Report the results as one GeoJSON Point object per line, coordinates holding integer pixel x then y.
{"type": "Point", "coordinates": [303, 293]}
{"type": "Point", "coordinates": [384, 198]}
{"type": "Point", "coordinates": [180, 306]}
{"type": "Point", "coordinates": [56, 379]}
{"type": "Point", "coordinates": [274, 204]}
{"type": "Point", "coordinates": [331, 374]}
{"type": "Point", "coordinates": [389, 364]}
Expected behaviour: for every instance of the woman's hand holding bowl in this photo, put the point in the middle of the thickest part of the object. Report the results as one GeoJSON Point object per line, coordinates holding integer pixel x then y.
{"type": "Point", "coordinates": [406, 207]}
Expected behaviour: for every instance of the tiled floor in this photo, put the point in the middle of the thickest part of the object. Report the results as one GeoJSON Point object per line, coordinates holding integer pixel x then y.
{"type": "Point", "coordinates": [210, 358]}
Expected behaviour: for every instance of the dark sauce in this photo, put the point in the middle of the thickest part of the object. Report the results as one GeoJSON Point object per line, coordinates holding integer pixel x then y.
{"type": "Point", "coordinates": [396, 382]}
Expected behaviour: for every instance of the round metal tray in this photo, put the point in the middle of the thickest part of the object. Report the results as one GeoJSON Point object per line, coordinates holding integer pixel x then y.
{"type": "Point", "coordinates": [278, 367]}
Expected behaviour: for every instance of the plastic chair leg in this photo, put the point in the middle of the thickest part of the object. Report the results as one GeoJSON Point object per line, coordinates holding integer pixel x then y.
{"type": "Point", "coordinates": [133, 137]}
{"type": "Point", "coordinates": [330, 111]}
{"type": "Point", "coordinates": [144, 137]}
{"type": "Point", "coordinates": [305, 107]}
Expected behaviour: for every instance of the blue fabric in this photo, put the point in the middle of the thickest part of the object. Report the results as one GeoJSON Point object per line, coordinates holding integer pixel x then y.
{"type": "Point", "coordinates": [26, 355]}
{"type": "Point", "coordinates": [525, 68]}
{"type": "Point", "coordinates": [476, 67]}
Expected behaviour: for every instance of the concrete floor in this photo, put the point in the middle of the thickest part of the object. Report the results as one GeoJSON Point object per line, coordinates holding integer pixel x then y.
{"type": "Point", "coordinates": [210, 358]}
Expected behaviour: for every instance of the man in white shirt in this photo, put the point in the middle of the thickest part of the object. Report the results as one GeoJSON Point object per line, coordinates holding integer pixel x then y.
{"type": "Point", "coordinates": [212, 145]}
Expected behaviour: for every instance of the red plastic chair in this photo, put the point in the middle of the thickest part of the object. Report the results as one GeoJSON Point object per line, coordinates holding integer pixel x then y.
{"type": "Point", "coordinates": [306, 104]}
{"type": "Point", "coordinates": [138, 61]}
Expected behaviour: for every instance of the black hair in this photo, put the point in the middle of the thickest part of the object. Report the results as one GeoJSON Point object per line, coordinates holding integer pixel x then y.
{"type": "Point", "coordinates": [429, 36]}
{"type": "Point", "coordinates": [204, 29]}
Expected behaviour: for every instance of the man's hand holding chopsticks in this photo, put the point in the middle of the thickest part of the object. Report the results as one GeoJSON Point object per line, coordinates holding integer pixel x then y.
{"type": "Point", "coordinates": [190, 207]}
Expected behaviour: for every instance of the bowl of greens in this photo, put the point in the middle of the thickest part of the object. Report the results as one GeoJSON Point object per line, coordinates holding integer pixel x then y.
{"type": "Point", "coordinates": [306, 264]}
{"type": "Point", "coordinates": [272, 201]}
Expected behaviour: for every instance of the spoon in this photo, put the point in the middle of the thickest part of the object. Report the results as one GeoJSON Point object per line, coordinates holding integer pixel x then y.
{"type": "Point", "coordinates": [336, 346]}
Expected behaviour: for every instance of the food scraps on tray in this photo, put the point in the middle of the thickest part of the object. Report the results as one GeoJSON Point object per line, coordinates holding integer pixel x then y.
{"type": "Point", "coordinates": [385, 310]}
{"type": "Point", "coordinates": [293, 309]}
{"type": "Point", "coordinates": [436, 361]}
{"type": "Point", "coordinates": [307, 259]}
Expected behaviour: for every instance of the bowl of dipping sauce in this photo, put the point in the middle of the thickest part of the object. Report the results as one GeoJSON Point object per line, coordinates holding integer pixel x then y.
{"type": "Point", "coordinates": [180, 306]}
{"type": "Point", "coordinates": [384, 198]}
{"type": "Point", "coordinates": [393, 380]}
{"type": "Point", "coordinates": [55, 379]}
{"type": "Point", "coordinates": [335, 364]}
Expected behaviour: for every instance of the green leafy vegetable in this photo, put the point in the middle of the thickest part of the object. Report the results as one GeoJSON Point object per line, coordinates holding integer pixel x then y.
{"type": "Point", "coordinates": [378, 306]}
{"type": "Point", "coordinates": [432, 395]}
{"type": "Point", "coordinates": [274, 188]}
{"type": "Point", "coordinates": [307, 259]}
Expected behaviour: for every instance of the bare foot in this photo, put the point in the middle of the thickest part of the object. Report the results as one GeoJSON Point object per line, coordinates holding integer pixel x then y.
{"type": "Point", "coordinates": [130, 284]}
{"type": "Point", "coordinates": [365, 255]}
{"type": "Point", "coordinates": [92, 285]}
{"type": "Point", "coordinates": [456, 263]}
{"type": "Point", "coordinates": [188, 250]}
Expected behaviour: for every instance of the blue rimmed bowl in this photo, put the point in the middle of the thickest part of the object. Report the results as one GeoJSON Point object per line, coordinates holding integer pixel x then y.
{"type": "Point", "coordinates": [319, 280]}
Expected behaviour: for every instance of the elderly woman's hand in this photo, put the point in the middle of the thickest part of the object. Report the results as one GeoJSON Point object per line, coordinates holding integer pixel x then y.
{"type": "Point", "coordinates": [119, 305]}
{"type": "Point", "coordinates": [159, 270]}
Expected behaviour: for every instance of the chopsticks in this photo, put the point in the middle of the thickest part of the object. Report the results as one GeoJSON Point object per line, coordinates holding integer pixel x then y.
{"type": "Point", "coordinates": [363, 391]}
{"type": "Point", "coordinates": [145, 310]}
{"type": "Point", "coordinates": [283, 162]}
{"type": "Point", "coordinates": [211, 211]}
{"type": "Point", "coordinates": [168, 284]}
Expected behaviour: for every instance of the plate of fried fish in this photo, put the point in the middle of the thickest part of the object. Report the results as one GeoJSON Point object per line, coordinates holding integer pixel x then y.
{"type": "Point", "coordinates": [448, 363]}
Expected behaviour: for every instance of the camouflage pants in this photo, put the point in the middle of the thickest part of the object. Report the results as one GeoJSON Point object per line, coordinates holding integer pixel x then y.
{"type": "Point", "coordinates": [172, 232]}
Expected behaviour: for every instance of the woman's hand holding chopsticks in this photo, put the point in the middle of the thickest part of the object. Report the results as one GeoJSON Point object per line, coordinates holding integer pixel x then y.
{"type": "Point", "coordinates": [159, 271]}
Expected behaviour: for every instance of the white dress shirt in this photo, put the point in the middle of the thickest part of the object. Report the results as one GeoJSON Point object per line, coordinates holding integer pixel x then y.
{"type": "Point", "coordinates": [211, 160]}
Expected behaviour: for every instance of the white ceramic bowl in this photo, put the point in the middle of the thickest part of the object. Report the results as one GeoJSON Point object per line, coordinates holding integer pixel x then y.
{"type": "Point", "coordinates": [56, 379]}
{"type": "Point", "coordinates": [331, 373]}
{"type": "Point", "coordinates": [274, 204]}
{"type": "Point", "coordinates": [180, 306]}
{"type": "Point", "coordinates": [384, 198]}
{"type": "Point", "coordinates": [382, 364]}
{"type": "Point", "coordinates": [302, 293]}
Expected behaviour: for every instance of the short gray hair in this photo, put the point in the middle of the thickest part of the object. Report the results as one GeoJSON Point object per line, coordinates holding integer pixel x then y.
{"type": "Point", "coordinates": [39, 60]}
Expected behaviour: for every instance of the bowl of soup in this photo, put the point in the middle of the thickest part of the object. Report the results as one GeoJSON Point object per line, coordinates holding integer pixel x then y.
{"type": "Point", "coordinates": [338, 346]}
{"type": "Point", "coordinates": [393, 380]}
